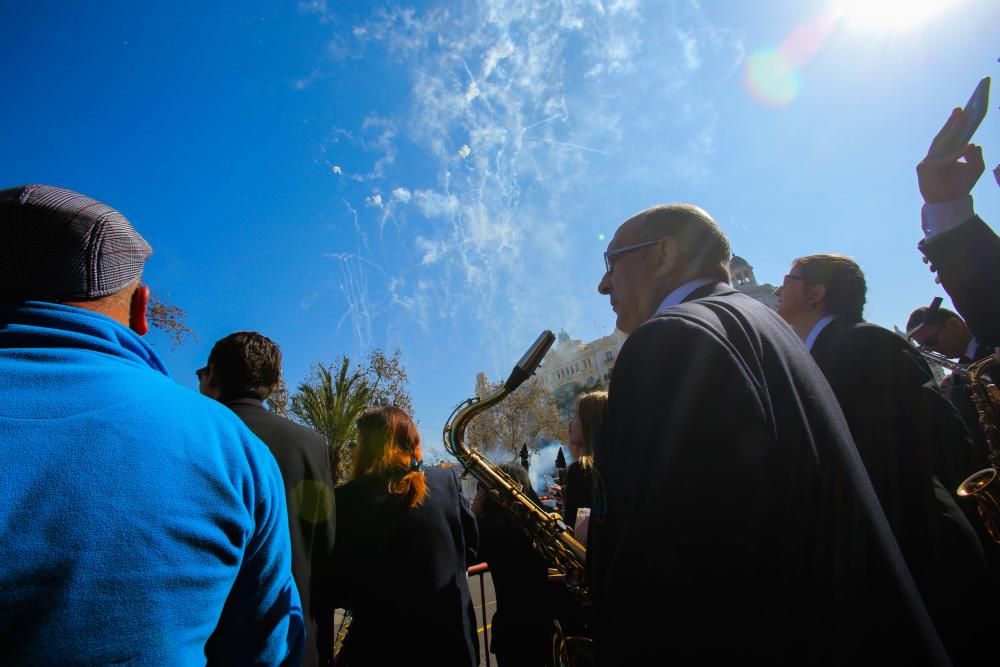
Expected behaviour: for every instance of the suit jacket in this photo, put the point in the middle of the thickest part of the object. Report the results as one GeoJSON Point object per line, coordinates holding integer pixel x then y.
{"type": "Point", "coordinates": [737, 507]}
{"type": "Point", "coordinates": [907, 432]}
{"type": "Point", "coordinates": [402, 571]}
{"type": "Point", "coordinates": [967, 259]}
{"type": "Point", "coordinates": [305, 470]}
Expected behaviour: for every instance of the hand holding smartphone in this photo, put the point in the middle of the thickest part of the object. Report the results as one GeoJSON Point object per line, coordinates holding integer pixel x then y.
{"type": "Point", "coordinates": [958, 131]}
{"type": "Point", "coordinates": [943, 175]}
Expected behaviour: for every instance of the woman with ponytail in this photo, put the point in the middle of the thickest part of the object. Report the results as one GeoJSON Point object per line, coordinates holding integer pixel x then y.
{"type": "Point", "coordinates": [403, 535]}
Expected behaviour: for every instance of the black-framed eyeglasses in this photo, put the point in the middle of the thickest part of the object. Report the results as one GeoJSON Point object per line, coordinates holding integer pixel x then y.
{"type": "Point", "coordinates": [611, 255]}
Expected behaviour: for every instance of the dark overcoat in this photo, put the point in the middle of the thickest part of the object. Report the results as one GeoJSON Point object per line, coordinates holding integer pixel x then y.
{"type": "Point", "coordinates": [305, 470]}
{"type": "Point", "coordinates": [738, 525]}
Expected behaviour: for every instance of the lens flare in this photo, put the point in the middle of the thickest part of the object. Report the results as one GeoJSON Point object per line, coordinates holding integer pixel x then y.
{"type": "Point", "coordinates": [771, 78]}
{"type": "Point", "coordinates": [774, 76]}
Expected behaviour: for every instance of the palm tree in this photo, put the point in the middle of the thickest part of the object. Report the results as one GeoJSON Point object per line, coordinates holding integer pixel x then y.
{"type": "Point", "coordinates": [331, 403]}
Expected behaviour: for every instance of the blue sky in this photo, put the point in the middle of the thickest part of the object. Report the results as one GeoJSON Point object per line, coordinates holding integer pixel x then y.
{"type": "Point", "coordinates": [443, 177]}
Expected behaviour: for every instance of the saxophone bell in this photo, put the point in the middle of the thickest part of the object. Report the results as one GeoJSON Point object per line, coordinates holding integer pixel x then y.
{"type": "Point", "coordinates": [984, 487]}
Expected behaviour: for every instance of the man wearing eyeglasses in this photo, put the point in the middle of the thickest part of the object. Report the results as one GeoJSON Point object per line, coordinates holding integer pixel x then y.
{"type": "Point", "coordinates": [732, 497]}
{"type": "Point", "coordinates": [944, 331]}
{"type": "Point", "coordinates": [941, 330]}
{"type": "Point", "coordinates": [914, 445]}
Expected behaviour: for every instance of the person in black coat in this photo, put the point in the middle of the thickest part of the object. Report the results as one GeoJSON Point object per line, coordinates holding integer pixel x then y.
{"type": "Point", "coordinates": [522, 630]}
{"type": "Point", "coordinates": [944, 332]}
{"type": "Point", "coordinates": [957, 244]}
{"type": "Point", "coordinates": [734, 501]}
{"type": "Point", "coordinates": [242, 371]}
{"type": "Point", "coordinates": [898, 419]}
{"type": "Point", "coordinates": [400, 560]}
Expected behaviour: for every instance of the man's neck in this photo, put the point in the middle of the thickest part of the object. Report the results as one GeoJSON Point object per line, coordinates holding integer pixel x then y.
{"type": "Point", "coordinates": [804, 323]}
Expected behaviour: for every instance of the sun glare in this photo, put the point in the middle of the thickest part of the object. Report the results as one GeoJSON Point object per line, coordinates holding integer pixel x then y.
{"type": "Point", "coordinates": [890, 15]}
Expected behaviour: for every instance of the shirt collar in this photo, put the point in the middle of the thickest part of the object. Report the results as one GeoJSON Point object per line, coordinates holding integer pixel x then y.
{"type": "Point", "coordinates": [678, 295]}
{"type": "Point", "coordinates": [817, 330]}
{"type": "Point", "coordinates": [970, 351]}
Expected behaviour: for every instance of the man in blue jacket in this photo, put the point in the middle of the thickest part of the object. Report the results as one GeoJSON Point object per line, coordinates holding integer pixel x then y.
{"type": "Point", "coordinates": [139, 521]}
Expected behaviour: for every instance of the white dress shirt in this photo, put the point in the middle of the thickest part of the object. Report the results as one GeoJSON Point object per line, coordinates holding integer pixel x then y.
{"type": "Point", "coordinates": [678, 295]}
{"type": "Point", "coordinates": [817, 330]}
{"type": "Point", "coordinates": [938, 218]}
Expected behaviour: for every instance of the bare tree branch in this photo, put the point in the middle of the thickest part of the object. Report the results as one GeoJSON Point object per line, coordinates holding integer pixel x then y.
{"type": "Point", "coordinates": [169, 319]}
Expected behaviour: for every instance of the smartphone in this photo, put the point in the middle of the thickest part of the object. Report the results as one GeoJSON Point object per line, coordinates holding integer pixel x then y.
{"type": "Point", "coordinates": [975, 111]}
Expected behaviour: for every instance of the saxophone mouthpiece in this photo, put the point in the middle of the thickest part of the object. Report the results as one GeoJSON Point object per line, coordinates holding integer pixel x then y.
{"type": "Point", "coordinates": [529, 362]}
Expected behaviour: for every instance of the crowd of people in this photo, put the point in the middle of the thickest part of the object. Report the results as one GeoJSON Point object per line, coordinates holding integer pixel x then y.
{"type": "Point", "coordinates": [778, 487]}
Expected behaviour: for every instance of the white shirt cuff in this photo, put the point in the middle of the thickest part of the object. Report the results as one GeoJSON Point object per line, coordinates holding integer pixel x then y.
{"type": "Point", "coordinates": [939, 218]}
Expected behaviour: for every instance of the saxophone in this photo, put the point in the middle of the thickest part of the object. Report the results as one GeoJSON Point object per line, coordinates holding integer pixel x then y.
{"type": "Point", "coordinates": [984, 486]}
{"type": "Point", "coordinates": [548, 532]}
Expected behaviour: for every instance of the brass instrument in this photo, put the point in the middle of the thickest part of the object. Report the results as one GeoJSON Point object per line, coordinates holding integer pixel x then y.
{"type": "Point", "coordinates": [936, 359]}
{"type": "Point", "coordinates": [549, 534]}
{"type": "Point", "coordinates": [345, 626]}
{"type": "Point", "coordinates": [984, 486]}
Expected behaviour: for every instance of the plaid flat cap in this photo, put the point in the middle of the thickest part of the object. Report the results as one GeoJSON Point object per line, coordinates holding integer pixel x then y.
{"type": "Point", "coordinates": [56, 244]}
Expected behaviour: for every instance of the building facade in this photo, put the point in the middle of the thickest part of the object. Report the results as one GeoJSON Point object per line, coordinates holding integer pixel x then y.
{"type": "Point", "coordinates": [745, 281]}
{"type": "Point", "coordinates": [573, 362]}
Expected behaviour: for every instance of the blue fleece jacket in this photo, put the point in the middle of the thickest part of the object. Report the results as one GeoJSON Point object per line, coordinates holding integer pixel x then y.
{"type": "Point", "coordinates": [139, 521]}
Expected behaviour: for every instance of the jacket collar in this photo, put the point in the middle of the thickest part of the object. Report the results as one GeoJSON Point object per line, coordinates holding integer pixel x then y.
{"type": "Point", "coordinates": [817, 330]}
{"type": "Point", "coordinates": [40, 324]}
{"type": "Point", "coordinates": [245, 400]}
{"type": "Point", "coordinates": [714, 288]}
{"type": "Point", "coordinates": [828, 334]}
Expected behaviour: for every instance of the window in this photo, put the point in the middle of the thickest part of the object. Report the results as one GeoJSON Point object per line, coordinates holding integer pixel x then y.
{"type": "Point", "coordinates": [609, 355]}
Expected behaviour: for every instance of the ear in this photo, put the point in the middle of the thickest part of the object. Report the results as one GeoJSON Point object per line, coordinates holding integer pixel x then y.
{"type": "Point", "coordinates": [667, 254]}
{"type": "Point", "coordinates": [815, 295]}
{"type": "Point", "coordinates": [137, 311]}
